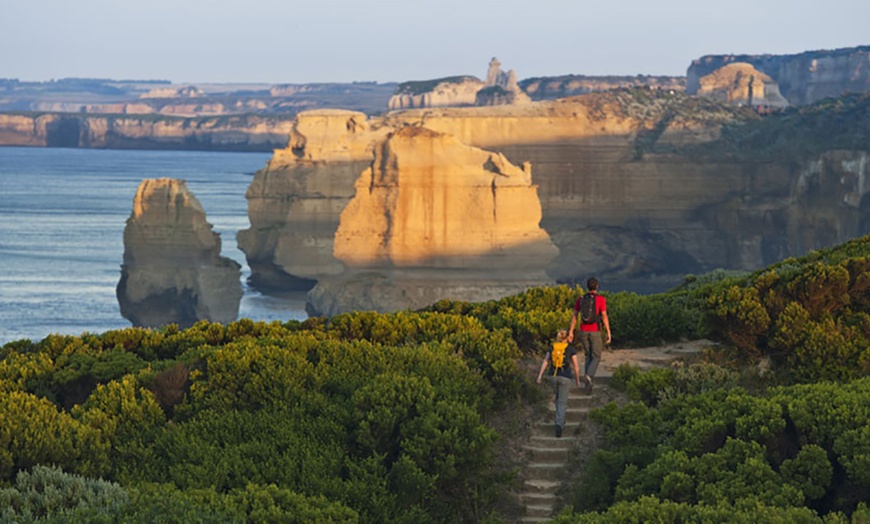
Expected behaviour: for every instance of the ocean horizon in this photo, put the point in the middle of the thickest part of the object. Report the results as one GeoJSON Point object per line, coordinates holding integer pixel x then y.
{"type": "Point", "coordinates": [62, 219]}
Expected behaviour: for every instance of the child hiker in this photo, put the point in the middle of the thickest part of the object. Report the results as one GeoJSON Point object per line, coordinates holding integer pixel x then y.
{"type": "Point", "coordinates": [561, 359]}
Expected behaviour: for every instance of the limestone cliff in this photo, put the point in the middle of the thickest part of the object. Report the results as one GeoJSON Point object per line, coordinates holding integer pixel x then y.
{"type": "Point", "coordinates": [443, 92]}
{"type": "Point", "coordinates": [433, 218]}
{"type": "Point", "coordinates": [802, 78]}
{"type": "Point", "coordinates": [741, 84]}
{"type": "Point", "coordinates": [294, 204]}
{"type": "Point", "coordinates": [172, 270]}
{"type": "Point", "coordinates": [235, 133]}
{"type": "Point", "coordinates": [552, 87]}
{"type": "Point", "coordinates": [499, 88]}
{"type": "Point", "coordinates": [636, 186]}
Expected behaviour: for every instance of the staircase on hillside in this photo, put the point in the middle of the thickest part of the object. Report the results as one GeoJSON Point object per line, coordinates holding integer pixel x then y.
{"type": "Point", "coordinates": [544, 474]}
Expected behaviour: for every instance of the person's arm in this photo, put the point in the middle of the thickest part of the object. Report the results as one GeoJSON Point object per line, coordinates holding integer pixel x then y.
{"type": "Point", "coordinates": [571, 328]}
{"type": "Point", "coordinates": [606, 322]}
{"type": "Point", "coordinates": [576, 364]}
{"type": "Point", "coordinates": [544, 365]}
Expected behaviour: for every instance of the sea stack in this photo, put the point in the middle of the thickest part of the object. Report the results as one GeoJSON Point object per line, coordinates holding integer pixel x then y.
{"type": "Point", "coordinates": [172, 270]}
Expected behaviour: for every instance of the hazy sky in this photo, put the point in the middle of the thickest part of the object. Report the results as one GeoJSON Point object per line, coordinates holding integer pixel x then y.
{"type": "Point", "coordinates": [274, 41]}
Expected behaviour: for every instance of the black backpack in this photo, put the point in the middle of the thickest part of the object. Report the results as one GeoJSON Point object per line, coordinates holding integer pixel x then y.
{"type": "Point", "coordinates": [588, 311]}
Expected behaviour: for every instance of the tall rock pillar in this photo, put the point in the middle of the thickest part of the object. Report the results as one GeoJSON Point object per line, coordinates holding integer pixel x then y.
{"type": "Point", "coordinates": [172, 270]}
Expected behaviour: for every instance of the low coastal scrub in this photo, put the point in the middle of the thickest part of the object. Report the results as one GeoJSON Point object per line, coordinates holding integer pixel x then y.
{"type": "Point", "coordinates": [370, 417]}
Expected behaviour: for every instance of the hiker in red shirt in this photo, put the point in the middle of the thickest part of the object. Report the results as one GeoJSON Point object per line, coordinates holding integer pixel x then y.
{"type": "Point", "coordinates": [592, 310]}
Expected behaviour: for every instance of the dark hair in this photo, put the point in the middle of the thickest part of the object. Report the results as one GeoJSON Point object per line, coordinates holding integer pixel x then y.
{"type": "Point", "coordinates": [592, 284]}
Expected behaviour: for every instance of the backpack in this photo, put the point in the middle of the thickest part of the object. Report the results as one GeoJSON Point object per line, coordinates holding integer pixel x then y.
{"type": "Point", "coordinates": [557, 356]}
{"type": "Point", "coordinates": [588, 309]}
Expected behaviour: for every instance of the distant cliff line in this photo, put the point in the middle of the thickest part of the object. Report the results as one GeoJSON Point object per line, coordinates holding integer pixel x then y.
{"type": "Point", "coordinates": [237, 133]}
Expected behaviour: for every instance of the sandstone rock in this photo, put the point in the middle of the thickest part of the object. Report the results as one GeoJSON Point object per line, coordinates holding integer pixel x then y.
{"type": "Point", "coordinates": [229, 133]}
{"type": "Point", "coordinates": [434, 218]}
{"type": "Point", "coordinates": [445, 92]}
{"type": "Point", "coordinates": [638, 221]}
{"type": "Point", "coordinates": [499, 88]}
{"type": "Point", "coordinates": [548, 88]}
{"type": "Point", "coordinates": [172, 270]}
{"type": "Point", "coordinates": [802, 78]}
{"type": "Point", "coordinates": [739, 83]}
{"type": "Point", "coordinates": [294, 204]}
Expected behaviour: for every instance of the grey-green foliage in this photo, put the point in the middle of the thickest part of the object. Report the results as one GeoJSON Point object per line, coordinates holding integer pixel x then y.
{"type": "Point", "coordinates": [47, 494]}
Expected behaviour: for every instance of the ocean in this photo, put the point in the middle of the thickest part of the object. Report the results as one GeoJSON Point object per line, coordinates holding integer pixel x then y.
{"type": "Point", "coordinates": [62, 218]}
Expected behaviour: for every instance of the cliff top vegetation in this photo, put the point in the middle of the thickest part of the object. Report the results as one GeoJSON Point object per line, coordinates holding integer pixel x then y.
{"type": "Point", "coordinates": [368, 417]}
{"type": "Point", "coordinates": [418, 87]}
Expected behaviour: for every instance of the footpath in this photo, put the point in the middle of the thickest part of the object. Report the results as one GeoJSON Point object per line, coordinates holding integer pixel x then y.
{"type": "Point", "coordinates": [547, 469]}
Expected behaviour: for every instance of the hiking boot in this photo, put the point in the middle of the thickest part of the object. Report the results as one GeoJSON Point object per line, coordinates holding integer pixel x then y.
{"type": "Point", "coordinates": [558, 431]}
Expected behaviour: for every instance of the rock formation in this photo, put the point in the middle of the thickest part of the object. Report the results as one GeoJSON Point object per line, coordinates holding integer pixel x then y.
{"type": "Point", "coordinates": [552, 87]}
{"type": "Point", "coordinates": [433, 218]}
{"type": "Point", "coordinates": [294, 204]}
{"type": "Point", "coordinates": [802, 78]}
{"type": "Point", "coordinates": [172, 270]}
{"type": "Point", "coordinates": [499, 88]}
{"type": "Point", "coordinates": [443, 92]}
{"type": "Point", "coordinates": [739, 83]}
{"type": "Point", "coordinates": [631, 189]}
{"type": "Point", "coordinates": [229, 133]}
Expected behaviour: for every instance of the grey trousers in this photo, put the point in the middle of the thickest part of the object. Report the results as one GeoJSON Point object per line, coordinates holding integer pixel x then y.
{"type": "Point", "coordinates": [561, 388]}
{"type": "Point", "coordinates": [593, 346]}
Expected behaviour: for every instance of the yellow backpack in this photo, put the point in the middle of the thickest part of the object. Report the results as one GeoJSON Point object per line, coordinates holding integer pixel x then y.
{"type": "Point", "coordinates": [557, 355]}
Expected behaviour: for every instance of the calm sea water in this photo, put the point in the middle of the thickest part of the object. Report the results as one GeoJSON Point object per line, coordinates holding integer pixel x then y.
{"type": "Point", "coordinates": [62, 218]}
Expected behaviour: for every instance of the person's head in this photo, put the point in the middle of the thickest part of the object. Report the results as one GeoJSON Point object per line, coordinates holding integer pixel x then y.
{"type": "Point", "coordinates": [592, 284]}
{"type": "Point", "coordinates": [562, 335]}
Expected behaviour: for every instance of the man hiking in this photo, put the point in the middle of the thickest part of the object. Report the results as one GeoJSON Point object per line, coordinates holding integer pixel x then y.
{"type": "Point", "coordinates": [592, 310]}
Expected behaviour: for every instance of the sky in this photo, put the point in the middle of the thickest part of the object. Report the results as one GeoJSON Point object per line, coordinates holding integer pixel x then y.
{"type": "Point", "coordinates": [289, 41]}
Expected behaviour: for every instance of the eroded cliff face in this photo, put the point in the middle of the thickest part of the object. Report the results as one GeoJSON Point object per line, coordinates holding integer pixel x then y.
{"type": "Point", "coordinates": [624, 195]}
{"type": "Point", "coordinates": [741, 84]}
{"type": "Point", "coordinates": [245, 133]}
{"type": "Point", "coordinates": [434, 218]}
{"type": "Point", "coordinates": [802, 78]}
{"type": "Point", "coordinates": [294, 204]}
{"type": "Point", "coordinates": [172, 270]}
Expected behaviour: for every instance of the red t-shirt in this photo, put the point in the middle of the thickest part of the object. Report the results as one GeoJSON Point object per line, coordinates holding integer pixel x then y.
{"type": "Point", "coordinates": [600, 306]}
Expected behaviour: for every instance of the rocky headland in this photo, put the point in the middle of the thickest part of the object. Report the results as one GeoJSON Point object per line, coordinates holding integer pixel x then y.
{"type": "Point", "coordinates": [499, 88]}
{"type": "Point", "coordinates": [802, 78]}
{"type": "Point", "coordinates": [172, 270]}
{"type": "Point", "coordinates": [226, 133]}
{"type": "Point", "coordinates": [739, 83]}
{"type": "Point", "coordinates": [638, 186]}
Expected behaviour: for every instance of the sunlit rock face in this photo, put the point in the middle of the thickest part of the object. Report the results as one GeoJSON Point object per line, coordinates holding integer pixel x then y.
{"type": "Point", "coordinates": [434, 218]}
{"type": "Point", "coordinates": [741, 84]}
{"type": "Point", "coordinates": [172, 270]}
{"type": "Point", "coordinates": [356, 205]}
{"type": "Point", "coordinates": [295, 203]}
{"type": "Point", "coordinates": [802, 78]}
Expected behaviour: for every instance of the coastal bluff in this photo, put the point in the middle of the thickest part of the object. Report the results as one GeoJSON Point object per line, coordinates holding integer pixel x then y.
{"type": "Point", "coordinates": [802, 78]}
{"type": "Point", "coordinates": [633, 187]}
{"type": "Point", "coordinates": [172, 270]}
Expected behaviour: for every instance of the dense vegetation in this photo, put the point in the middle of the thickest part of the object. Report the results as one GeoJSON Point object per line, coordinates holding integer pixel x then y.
{"type": "Point", "coordinates": [799, 132]}
{"type": "Point", "coordinates": [373, 417]}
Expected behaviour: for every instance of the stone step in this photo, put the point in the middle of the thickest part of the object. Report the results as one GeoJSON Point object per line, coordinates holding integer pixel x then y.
{"type": "Point", "coordinates": [533, 520]}
{"type": "Point", "coordinates": [543, 511]}
{"type": "Point", "coordinates": [537, 498]}
{"type": "Point", "coordinates": [544, 436]}
{"type": "Point", "coordinates": [549, 454]}
{"type": "Point", "coordinates": [572, 414]}
{"type": "Point", "coordinates": [532, 486]}
{"type": "Point", "coordinates": [544, 471]}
